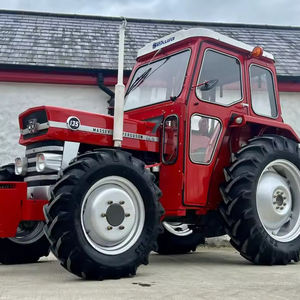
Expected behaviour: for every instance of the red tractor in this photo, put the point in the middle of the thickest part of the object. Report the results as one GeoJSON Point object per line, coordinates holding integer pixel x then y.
{"type": "Point", "coordinates": [196, 147]}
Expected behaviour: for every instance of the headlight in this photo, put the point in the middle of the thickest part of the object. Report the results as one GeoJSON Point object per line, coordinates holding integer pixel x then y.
{"type": "Point", "coordinates": [47, 162]}
{"type": "Point", "coordinates": [40, 162]}
{"type": "Point", "coordinates": [21, 166]}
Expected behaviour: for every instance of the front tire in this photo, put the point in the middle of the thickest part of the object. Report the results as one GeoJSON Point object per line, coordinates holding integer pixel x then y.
{"type": "Point", "coordinates": [30, 243]}
{"type": "Point", "coordinates": [261, 205]}
{"type": "Point", "coordinates": [104, 215]}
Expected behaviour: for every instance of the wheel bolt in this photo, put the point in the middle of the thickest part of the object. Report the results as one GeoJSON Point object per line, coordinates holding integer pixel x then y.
{"type": "Point", "coordinates": [127, 215]}
{"type": "Point", "coordinates": [274, 202]}
{"type": "Point", "coordinates": [284, 204]}
{"type": "Point", "coordinates": [109, 228]}
{"type": "Point", "coordinates": [121, 227]}
{"type": "Point", "coordinates": [109, 202]}
{"type": "Point", "coordinates": [122, 202]}
{"type": "Point", "coordinates": [284, 198]}
{"type": "Point", "coordinates": [277, 207]}
{"type": "Point", "coordinates": [103, 215]}
{"type": "Point", "coordinates": [281, 208]}
{"type": "Point", "coordinates": [277, 192]}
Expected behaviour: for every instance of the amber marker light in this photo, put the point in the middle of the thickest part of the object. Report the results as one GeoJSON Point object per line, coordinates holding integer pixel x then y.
{"type": "Point", "coordinates": [257, 52]}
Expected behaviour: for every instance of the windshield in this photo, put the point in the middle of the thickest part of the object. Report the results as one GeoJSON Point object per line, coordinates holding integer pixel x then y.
{"type": "Point", "coordinates": [158, 81]}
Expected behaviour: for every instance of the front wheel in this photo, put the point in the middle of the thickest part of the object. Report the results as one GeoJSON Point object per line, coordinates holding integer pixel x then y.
{"type": "Point", "coordinates": [104, 215]}
{"type": "Point", "coordinates": [261, 205]}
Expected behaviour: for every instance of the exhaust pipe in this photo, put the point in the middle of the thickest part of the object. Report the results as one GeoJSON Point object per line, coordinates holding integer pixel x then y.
{"type": "Point", "coordinates": [119, 92]}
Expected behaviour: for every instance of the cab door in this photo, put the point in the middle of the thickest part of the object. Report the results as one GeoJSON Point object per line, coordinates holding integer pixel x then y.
{"type": "Point", "coordinates": [209, 109]}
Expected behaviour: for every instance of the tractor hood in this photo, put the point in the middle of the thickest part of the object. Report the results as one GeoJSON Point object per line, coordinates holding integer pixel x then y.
{"type": "Point", "coordinates": [55, 123]}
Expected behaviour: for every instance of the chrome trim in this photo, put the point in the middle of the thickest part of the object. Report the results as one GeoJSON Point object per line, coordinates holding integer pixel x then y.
{"type": "Point", "coordinates": [105, 131]}
{"type": "Point", "coordinates": [40, 177]}
{"type": "Point", "coordinates": [42, 149]}
{"type": "Point", "coordinates": [31, 160]}
{"type": "Point", "coordinates": [71, 150]}
{"type": "Point", "coordinates": [31, 169]}
{"type": "Point", "coordinates": [42, 126]}
{"type": "Point", "coordinates": [38, 192]}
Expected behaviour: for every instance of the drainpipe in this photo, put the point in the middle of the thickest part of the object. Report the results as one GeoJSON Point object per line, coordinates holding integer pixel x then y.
{"type": "Point", "coordinates": [119, 92]}
{"type": "Point", "coordinates": [109, 92]}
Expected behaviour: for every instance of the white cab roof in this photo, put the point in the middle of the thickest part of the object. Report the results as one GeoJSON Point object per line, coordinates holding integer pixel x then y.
{"type": "Point", "coordinates": [195, 32]}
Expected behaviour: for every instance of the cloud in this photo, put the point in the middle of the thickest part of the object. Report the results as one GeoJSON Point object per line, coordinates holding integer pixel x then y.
{"type": "Point", "coordinates": [281, 12]}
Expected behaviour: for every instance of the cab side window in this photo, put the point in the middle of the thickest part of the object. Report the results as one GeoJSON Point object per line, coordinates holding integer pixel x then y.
{"type": "Point", "coordinates": [204, 135]}
{"type": "Point", "coordinates": [223, 74]}
{"type": "Point", "coordinates": [263, 98]}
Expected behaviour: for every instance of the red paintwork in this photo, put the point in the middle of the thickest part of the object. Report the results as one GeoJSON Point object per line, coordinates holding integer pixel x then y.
{"type": "Point", "coordinates": [14, 207]}
{"type": "Point", "coordinates": [55, 78]}
{"type": "Point", "coordinates": [59, 114]}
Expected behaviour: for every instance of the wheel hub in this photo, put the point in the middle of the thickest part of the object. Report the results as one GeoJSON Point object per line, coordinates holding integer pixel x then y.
{"type": "Point", "coordinates": [278, 194]}
{"type": "Point", "coordinates": [115, 215]}
{"type": "Point", "coordinates": [112, 215]}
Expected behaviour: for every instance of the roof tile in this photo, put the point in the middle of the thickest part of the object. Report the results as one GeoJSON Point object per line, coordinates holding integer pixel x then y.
{"type": "Point", "coordinates": [92, 42]}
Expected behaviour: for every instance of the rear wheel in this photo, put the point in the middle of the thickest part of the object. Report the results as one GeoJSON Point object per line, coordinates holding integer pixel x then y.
{"type": "Point", "coordinates": [178, 238]}
{"type": "Point", "coordinates": [262, 201]}
{"type": "Point", "coordinates": [30, 243]}
{"type": "Point", "coordinates": [104, 215]}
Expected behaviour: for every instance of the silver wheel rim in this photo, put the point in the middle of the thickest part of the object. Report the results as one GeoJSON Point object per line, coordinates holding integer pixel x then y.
{"type": "Point", "coordinates": [176, 228]}
{"type": "Point", "coordinates": [112, 215]}
{"type": "Point", "coordinates": [28, 235]}
{"type": "Point", "coordinates": [278, 200]}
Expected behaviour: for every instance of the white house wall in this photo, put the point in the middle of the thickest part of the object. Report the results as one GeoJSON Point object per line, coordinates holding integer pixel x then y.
{"type": "Point", "coordinates": [18, 97]}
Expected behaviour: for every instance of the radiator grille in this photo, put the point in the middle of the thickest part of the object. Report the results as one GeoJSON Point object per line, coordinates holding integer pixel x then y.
{"type": "Point", "coordinates": [34, 178]}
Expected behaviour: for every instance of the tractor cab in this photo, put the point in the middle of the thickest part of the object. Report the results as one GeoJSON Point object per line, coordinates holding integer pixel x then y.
{"type": "Point", "coordinates": [196, 83]}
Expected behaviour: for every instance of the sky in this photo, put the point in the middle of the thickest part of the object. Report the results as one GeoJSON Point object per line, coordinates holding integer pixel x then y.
{"type": "Point", "coordinates": [270, 12]}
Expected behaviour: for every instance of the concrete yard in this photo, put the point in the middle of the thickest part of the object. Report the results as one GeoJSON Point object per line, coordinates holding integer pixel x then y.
{"type": "Point", "coordinates": [209, 273]}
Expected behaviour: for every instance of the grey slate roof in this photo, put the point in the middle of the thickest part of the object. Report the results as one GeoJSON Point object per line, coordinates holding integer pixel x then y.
{"type": "Point", "coordinates": [72, 41]}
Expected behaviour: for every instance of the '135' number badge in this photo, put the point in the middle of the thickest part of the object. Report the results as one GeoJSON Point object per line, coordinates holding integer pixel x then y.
{"type": "Point", "coordinates": [73, 123]}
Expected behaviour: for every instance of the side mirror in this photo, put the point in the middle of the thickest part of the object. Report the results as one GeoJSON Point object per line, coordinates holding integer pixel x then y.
{"type": "Point", "coordinates": [208, 85]}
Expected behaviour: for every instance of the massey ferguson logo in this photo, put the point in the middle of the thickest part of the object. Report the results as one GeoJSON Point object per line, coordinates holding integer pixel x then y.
{"type": "Point", "coordinates": [32, 126]}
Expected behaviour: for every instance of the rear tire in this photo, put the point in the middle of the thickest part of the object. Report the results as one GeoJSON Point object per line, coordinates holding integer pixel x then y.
{"type": "Point", "coordinates": [172, 241]}
{"type": "Point", "coordinates": [87, 239]}
{"type": "Point", "coordinates": [28, 249]}
{"type": "Point", "coordinates": [261, 205]}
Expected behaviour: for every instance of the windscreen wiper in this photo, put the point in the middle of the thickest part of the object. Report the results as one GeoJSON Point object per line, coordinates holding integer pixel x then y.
{"type": "Point", "coordinates": [141, 78]}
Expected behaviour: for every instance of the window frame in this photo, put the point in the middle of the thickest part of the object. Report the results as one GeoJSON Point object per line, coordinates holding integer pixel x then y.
{"type": "Point", "coordinates": [188, 49]}
{"type": "Point", "coordinates": [163, 140]}
{"type": "Point", "coordinates": [274, 91]}
{"type": "Point", "coordinates": [241, 78]}
{"type": "Point", "coordinates": [217, 141]}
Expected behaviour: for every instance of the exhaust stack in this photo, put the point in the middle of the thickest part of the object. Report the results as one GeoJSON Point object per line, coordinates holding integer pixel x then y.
{"type": "Point", "coordinates": [119, 92]}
